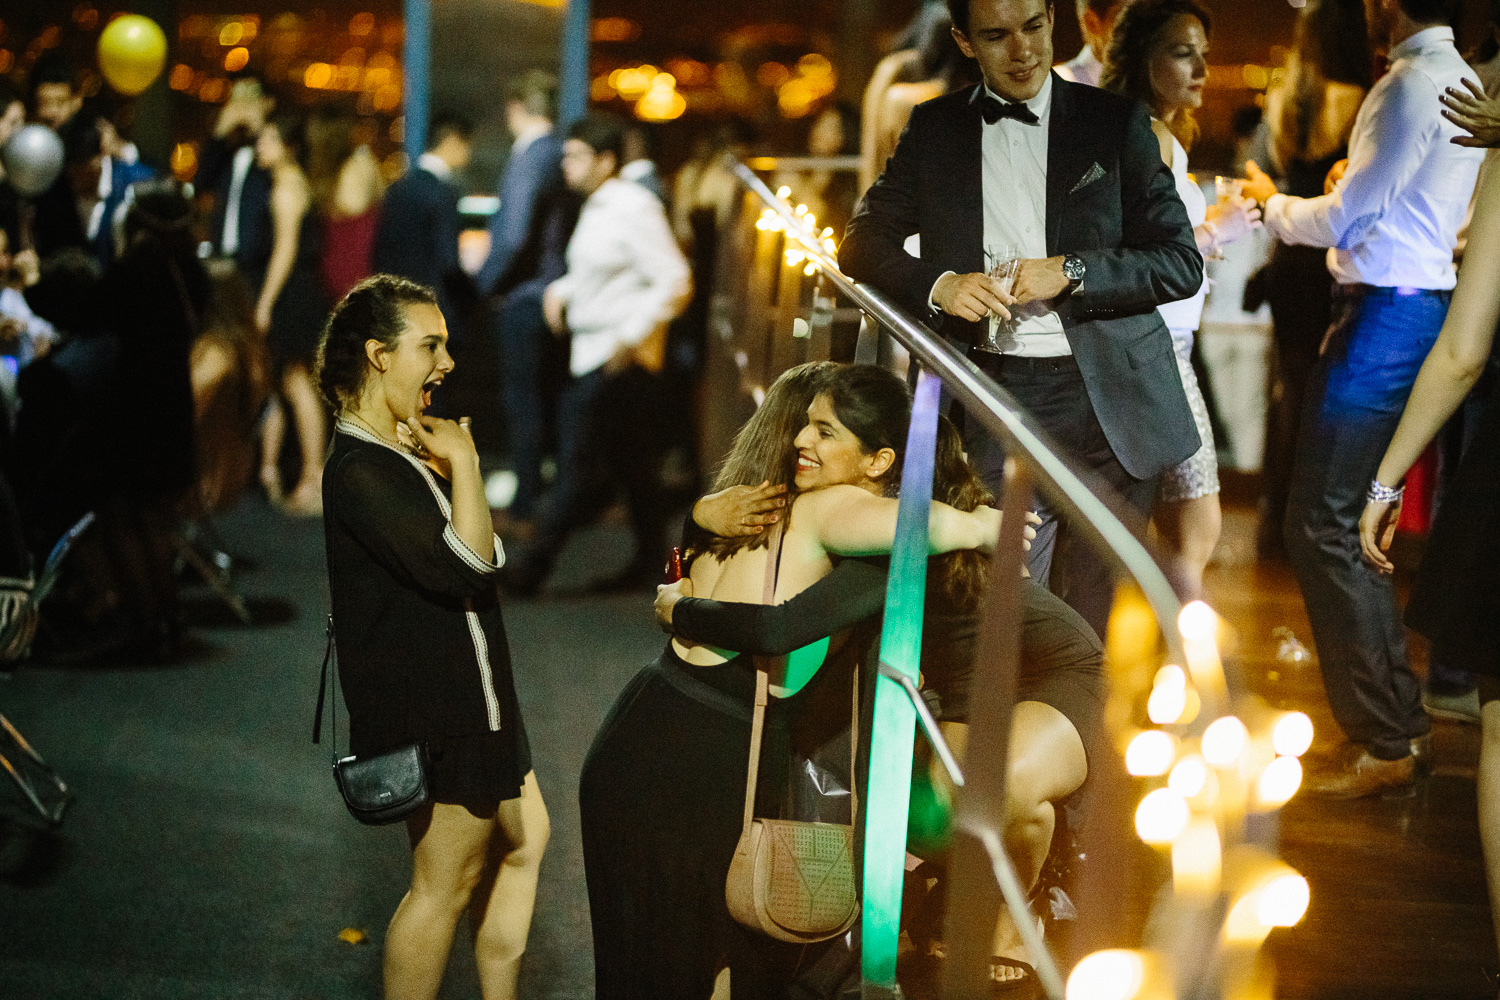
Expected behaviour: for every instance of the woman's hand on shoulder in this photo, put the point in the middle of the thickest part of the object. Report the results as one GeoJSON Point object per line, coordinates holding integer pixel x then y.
{"type": "Point", "coordinates": [443, 439]}
{"type": "Point", "coordinates": [1475, 113]}
{"type": "Point", "coordinates": [667, 596]}
{"type": "Point", "coordinates": [740, 510]}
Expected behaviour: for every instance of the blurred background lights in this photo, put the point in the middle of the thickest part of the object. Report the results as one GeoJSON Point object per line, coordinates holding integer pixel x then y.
{"type": "Point", "coordinates": [1279, 781]}
{"type": "Point", "coordinates": [1198, 622]}
{"type": "Point", "coordinates": [1293, 734]}
{"type": "Point", "coordinates": [1197, 857]}
{"type": "Point", "coordinates": [1223, 741]}
{"type": "Point", "coordinates": [1150, 754]}
{"type": "Point", "coordinates": [1283, 901]}
{"type": "Point", "coordinates": [1168, 699]}
{"type": "Point", "coordinates": [1161, 816]}
{"type": "Point", "coordinates": [1116, 974]}
{"type": "Point", "coordinates": [1189, 776]}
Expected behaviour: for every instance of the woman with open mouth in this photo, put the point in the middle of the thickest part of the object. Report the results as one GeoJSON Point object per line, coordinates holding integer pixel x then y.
{"type": "Point", "coordinates": [423, 657]}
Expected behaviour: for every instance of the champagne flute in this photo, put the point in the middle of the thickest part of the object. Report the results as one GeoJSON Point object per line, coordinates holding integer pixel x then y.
{"type": "Point", "coordinates": [1004, 261]}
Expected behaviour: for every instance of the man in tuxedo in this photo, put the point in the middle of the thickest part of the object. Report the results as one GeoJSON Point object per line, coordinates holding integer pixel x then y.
{"type": "Point", "coordinates": [1072, 177]}
{"type": "Point", "coordinates": [241, 222]}
{"type": "Point", "coordinates": [528, 238]}
{"type": "Point", "coordinates": [417, 235]}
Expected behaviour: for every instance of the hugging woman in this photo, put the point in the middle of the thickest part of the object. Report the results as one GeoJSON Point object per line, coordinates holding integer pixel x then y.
{"type": "Point", "coordinates": [662, 789]}
{"type": "Point", "coordinates": [412, 563]}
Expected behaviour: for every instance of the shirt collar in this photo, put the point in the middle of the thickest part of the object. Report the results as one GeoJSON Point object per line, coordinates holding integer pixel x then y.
{"type": "Point", "coordinates": [1421, 40]}
{"type": "Point", "coordinates": [435, 165]}
{"type": "Point", "coordinates": [528, 135]}
{"type": "Point", "coordinates": [1039, 105]}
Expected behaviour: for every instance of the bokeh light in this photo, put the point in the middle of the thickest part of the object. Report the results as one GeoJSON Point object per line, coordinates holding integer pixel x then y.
{"type": "Point", "coordinates": [1224, 740]}
{"type": "Point", "coordinates": [1116, 974]}
{"type": "Point", "coordinates": [1161, 816]}
{"type": "Point", "coordinates": [1278, 782]}
{"type": "Point", "coordinates": [1293, 734]}
{"type": "Point", "coordinates": [1150, 754]}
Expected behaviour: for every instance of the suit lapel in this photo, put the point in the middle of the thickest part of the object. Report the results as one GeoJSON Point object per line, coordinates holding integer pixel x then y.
{"type": "Point", "coordinates": [1067, 157]}
{"type": "Point", "coordinates": [967, 159]}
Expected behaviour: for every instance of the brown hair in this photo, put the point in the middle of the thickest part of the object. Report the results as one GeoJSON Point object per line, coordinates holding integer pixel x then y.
{"type": "Point", "coordinates": [959, 576]}
{"type": "Point", "coordinates": [762, 449]}
{"type": "Point", "coordinates": [1127, 67]}
{"type": "Point", "coordinates": [373, 310]}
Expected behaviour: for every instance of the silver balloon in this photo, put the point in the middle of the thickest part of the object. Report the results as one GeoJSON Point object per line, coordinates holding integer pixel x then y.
{"type": "Point", "coordinates": [32, 159]}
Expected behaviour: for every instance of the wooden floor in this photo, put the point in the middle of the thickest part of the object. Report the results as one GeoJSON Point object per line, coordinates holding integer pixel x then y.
{"type": "Point", "coordinates": [1399, 908]}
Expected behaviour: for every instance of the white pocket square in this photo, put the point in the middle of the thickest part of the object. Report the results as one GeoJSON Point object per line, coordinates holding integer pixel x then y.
{"type": "Point", "coordinates": [1095, 173]}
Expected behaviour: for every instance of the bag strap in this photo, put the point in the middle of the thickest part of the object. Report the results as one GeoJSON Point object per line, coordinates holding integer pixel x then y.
{"type": "Point", "coordinates": [762, 682]}
{"type": "Point", "coordinates": [328, 658]}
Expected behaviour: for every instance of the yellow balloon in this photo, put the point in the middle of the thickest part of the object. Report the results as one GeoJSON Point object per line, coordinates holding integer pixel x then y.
{"type": "Point", "coordinates": [132, 51]}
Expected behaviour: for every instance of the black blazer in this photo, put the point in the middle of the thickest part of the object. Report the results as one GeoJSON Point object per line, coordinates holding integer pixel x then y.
{"type": "Point", "coordinates": [417, 236]}
{"type": "Point", "coordinates": [1110, 200]}
{"type": "Point", "coordinates": [254, 247]}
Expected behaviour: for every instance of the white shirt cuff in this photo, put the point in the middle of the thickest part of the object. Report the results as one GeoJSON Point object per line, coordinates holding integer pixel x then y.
{"type": "Point", "coordinates": [930, 303]}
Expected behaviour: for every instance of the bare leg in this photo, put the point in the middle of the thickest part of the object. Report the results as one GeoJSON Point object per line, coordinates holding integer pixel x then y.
{"type": "Point", "coordinates": [1489, 801]}
{"type": "Point", "coordinates": [272, 435]}
{"type": "Point", "coordinates": [501, 909]}
{"type": "Point", "coordinates": [312, 437]}
{"type": "Point", "coordinates": [449, 849]}
{"type": "Point", "coordinates": [1190, 530]}
{"type": "Point", "coordinates": [1047, 763]}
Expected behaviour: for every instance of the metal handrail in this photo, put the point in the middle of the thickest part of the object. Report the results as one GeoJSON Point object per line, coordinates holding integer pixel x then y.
{"type": "Point", "coordinates": [1023, 437]}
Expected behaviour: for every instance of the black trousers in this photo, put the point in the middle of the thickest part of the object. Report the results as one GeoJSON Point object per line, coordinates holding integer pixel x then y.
{"type": "Point", "coordinates": [608, 439]}
{"type": "Point", "coordinates": [1052, 390]}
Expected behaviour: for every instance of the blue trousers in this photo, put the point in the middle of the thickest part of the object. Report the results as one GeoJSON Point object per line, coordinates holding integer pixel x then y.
{"type": "Point", "coordinates": [1376, 344]}
{"type": "Point", "coordinates": [527, 389]}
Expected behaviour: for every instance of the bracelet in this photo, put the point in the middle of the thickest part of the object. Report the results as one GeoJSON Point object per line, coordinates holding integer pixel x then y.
{"type": "Point", "coordinates": [1379, 493]}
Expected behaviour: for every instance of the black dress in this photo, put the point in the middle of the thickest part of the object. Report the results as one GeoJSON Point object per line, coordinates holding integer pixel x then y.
{"type": "Point", "coordinates": [302, 306]}
{"type": "Point", "coordinates": [1456, 600]}
{"type": "Point", "coordinates": [422, 648]}
{"type": "Point", "coordinates": [661, 795]}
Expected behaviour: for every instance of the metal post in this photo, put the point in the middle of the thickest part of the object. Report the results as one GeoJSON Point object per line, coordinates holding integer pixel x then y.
{"type": "Point", "coordinates": [417, 53]}
{"type": "Point", "coordinates": [893, 726]}
{"type": "Point", "coordinates": [573, 97]}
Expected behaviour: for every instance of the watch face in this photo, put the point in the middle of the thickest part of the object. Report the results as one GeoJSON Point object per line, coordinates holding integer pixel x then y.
{"type": "Point", "coordinates": [1073, 268]}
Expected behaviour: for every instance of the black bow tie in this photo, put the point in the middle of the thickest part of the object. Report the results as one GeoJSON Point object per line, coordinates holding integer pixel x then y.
{"type": "Point", "coordinates": [994, 110]}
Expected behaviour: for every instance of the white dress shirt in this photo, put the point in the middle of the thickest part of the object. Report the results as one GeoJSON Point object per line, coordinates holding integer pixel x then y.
{"type": "Point", "coordinates": [626, 276]}
{"type": "Point", "coordinates": [1015, 214]}
{"type": "Point", "coordinates": [244, 157]}
{"type": "Point", "coordinates": [1083, 68]}
{"type": "Point", "coordinates": [1393, 220]}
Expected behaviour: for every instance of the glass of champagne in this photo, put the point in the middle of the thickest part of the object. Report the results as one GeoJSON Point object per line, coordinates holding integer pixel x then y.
{"type": "Point", "coordinates": [1002, 263]}
{"type": "Point", "coordinates": [1227, 191]}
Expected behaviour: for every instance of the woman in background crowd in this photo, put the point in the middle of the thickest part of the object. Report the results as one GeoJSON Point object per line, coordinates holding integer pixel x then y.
{"type": "Point", "coordinates": [1158, 54]}
{"type": "Point", "coordinates": [1310, 115]}
{"type": "Point", "coordinates": [346, 188]}
{"type": "Point", "coordinates": [230, 385]}
{"type": "Point", "coordinates": [291, 309]}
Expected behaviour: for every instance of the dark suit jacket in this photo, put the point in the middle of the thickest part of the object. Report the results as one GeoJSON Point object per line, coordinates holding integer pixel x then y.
{"type": "Point", "coordinates": [535, 209]}
{"type": "Point", "coordinates": [216, 171]}
{"type": "Point", "coordinates": [1124, 220]}
{"type": "Point", "coordinates": [417, 236]}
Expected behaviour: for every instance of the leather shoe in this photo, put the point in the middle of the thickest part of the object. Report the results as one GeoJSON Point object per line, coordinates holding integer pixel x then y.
{"type": "Point", "coordinates": [1361, 776]}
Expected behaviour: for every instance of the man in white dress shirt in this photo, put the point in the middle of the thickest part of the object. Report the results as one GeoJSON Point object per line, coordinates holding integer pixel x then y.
{"type": "Point", "coordinates": [1391, 225]}
{"type": "Point", "coordinates": [1096, 19]}
{"type": "Point", "coordinates": [626, 280]}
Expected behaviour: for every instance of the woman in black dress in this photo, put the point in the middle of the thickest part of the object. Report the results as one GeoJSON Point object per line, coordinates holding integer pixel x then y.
{"type": "Point", "coordinates": [1057, 727]}
{"type": "Point", "coordinates": [291, 307]}
{"type": "Point", "coordinates": [412, 563]}
{"type": "Point", "coordinates": [662, 788]}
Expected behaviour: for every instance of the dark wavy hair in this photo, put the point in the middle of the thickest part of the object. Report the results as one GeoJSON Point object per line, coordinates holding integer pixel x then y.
{"type": "Point", "coordinates": [957, 578]}
{"type": "Point", "coordinates": [763, 450]}
{"type": "Point", "coordinates": [374, 309]}
{"type": "Point", "coordinates": [1137, 33]}
{"type": "Point", "coordinates": [876, 407]}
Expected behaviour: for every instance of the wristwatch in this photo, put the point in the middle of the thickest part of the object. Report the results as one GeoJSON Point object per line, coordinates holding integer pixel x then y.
{"type": "Point", "coordinates": [1073, 270]}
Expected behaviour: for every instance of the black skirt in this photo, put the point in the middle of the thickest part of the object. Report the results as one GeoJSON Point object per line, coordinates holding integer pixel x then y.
{"type": "Point", "coordinates": [479, 772]}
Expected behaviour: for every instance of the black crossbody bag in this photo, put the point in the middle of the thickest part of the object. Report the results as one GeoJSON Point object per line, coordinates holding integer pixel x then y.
{"type": "Point", "coordinates": [385, 788]}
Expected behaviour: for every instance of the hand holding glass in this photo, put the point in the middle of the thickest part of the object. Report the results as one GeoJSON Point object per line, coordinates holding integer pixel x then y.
{"type": "Point", "coordinates": [1004, 264]}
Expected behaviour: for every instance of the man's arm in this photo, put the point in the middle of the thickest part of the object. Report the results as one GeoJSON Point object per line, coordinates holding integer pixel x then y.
{"type": "Point", "coordinates": [873, 250]}
{"type": "Point", "coordinates": [1397, 136]}
{"type": "Point", "coordinates": [1158, 259]}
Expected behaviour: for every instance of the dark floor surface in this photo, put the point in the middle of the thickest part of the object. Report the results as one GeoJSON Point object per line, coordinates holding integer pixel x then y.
{"type": "Point", "coordinates": [208, 856]}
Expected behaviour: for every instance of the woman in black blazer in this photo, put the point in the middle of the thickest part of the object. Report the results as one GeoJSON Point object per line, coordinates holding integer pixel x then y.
{"type": "Point", "coordinates": [412, 563]}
